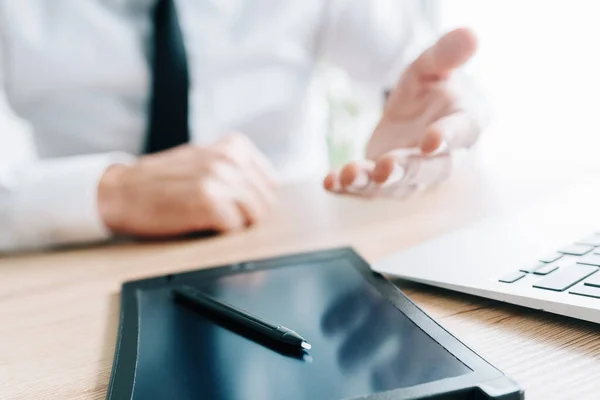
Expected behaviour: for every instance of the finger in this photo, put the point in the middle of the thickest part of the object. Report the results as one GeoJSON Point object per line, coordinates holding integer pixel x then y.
{"type": "Point", "coordinates": [246, 189]}
{"type": "Point", "coordinates": [450, 52]}
{"type": "Point", "coordinates": [240, 150]}
{"type": "Point", "coordinates": [398, 191]}
{"type": "Point", "coordinates": [388, 170]}
{"type": "Point", "coordinates": [397, 175]}
{"type": "Point", "coordinates": [358, 178]}
{"type": "Point", "coordinates": [227, 217]}
{"type": "Point", "coordinates": [332, 183]}
{"type": "Point", "coordinates": [257, 178]}
{"type": "Point", "coordinates": [390, 175]}
{"type": "Point", "coordinates": [257, 181]}
{"type": "Point", "coordinates": [356, 175]}
{"type": "Point", "coordinates": [250, 206]}
{"type": "Point", "coordinates": [256, 195]}
{"type": "Point", "coordinates": [246, 171]}
{"type": "Point", "coordinates": [418, 170]}
{"type": "Point", "coordinates": [458, 130]}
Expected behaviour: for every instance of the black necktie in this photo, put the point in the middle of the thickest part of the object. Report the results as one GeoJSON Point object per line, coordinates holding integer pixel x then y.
{"type": "Point", "coordinates": [168, 125]}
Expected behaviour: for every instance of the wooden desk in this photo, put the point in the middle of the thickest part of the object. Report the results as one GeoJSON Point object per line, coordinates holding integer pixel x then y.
{"type": "Point", "coordinates": [59, 311]}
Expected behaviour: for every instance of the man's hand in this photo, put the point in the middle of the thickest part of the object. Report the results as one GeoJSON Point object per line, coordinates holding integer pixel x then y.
{"type": "Point", "coordinates": [224, 186]}
{"type": "Point", "coordinates": [428, 114]}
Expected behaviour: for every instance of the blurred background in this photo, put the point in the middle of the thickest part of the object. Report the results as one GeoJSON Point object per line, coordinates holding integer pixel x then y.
{"type": "Point", "coordinates": [538, 64]}
{"type": "Point", "coordinates": [539, 67]}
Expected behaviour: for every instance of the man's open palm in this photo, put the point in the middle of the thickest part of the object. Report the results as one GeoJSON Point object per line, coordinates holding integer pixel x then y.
{"type": "Point", "coordinates": [429, 113]}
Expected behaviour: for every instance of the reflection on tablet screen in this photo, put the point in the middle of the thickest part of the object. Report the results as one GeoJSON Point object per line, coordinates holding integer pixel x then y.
{"type": "Point", "coordinates": [361, 344]}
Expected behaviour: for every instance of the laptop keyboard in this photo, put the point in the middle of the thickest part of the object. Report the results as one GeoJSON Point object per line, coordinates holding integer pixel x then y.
{"type": "Point", "coordinates": [564, 278]}
{"type": "Point", "coordinates": [565, 269]}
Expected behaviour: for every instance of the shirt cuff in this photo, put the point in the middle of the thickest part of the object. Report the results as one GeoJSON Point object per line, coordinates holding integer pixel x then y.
{"type": "Point", "coordinates": [54, 201]}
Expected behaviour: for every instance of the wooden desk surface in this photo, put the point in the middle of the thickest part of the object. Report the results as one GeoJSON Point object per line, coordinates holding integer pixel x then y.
{"type": "Point", "coordinates": [59, 310]}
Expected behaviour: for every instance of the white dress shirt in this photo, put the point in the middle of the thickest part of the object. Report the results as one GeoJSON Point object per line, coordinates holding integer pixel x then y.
{"type": "Point", "coordinates": [77, 71]}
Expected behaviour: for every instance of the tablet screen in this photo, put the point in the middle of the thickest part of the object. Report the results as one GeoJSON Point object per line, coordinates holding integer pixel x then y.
{"type": "Point", "coordinates": [361, 343]}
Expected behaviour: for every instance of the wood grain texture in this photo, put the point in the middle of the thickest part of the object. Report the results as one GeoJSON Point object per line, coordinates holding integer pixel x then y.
{"type": "Point", "coordinates": [59, 310]}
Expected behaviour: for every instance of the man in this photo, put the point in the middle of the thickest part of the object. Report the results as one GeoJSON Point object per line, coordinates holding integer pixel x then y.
{"type": "Point", "coordinates": [163, 117]}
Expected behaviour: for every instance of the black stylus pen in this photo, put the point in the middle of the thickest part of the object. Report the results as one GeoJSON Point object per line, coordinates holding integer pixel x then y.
{"type": "Point", "coordinates": [278, 333]}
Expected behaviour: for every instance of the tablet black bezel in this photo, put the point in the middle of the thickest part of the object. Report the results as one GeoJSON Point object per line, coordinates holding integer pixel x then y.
{"type": "Point", "coordinates": [485, 381]}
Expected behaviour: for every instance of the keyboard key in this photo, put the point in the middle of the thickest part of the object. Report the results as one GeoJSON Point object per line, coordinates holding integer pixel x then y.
{"type": "Point", "coordinates": [549, 258]}
{"type": "Point", "coordinates": [533, 268]}
{"type": "Point", "coordinates": [588, 291]}
{"type": "Point", "coordinates": [590, 259]}
{"type": "Point", "coordinates": [594, 280]}
{"type": "Point", "coordinates": [512, 277]}
{"type": "Point", "coordinates": [593, 240]}
{"type": "Point", "coordinates": [566, 277]}
{"type": "Point", "coordinates": [576, 249]}
{"type": "Point", "coordinates": [546, 269]}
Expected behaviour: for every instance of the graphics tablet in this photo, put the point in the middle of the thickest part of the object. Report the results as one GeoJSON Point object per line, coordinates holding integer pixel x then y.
{"type": "Point", "coordinates": [369, 341]}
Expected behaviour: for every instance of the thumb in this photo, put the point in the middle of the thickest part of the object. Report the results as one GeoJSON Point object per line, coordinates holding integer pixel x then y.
{"type": "Point", "coordinates": [450, 52]}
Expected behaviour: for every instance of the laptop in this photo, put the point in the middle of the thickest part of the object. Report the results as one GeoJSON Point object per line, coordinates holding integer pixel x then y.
{"type": "Point", "coordinates": [545, 256]}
